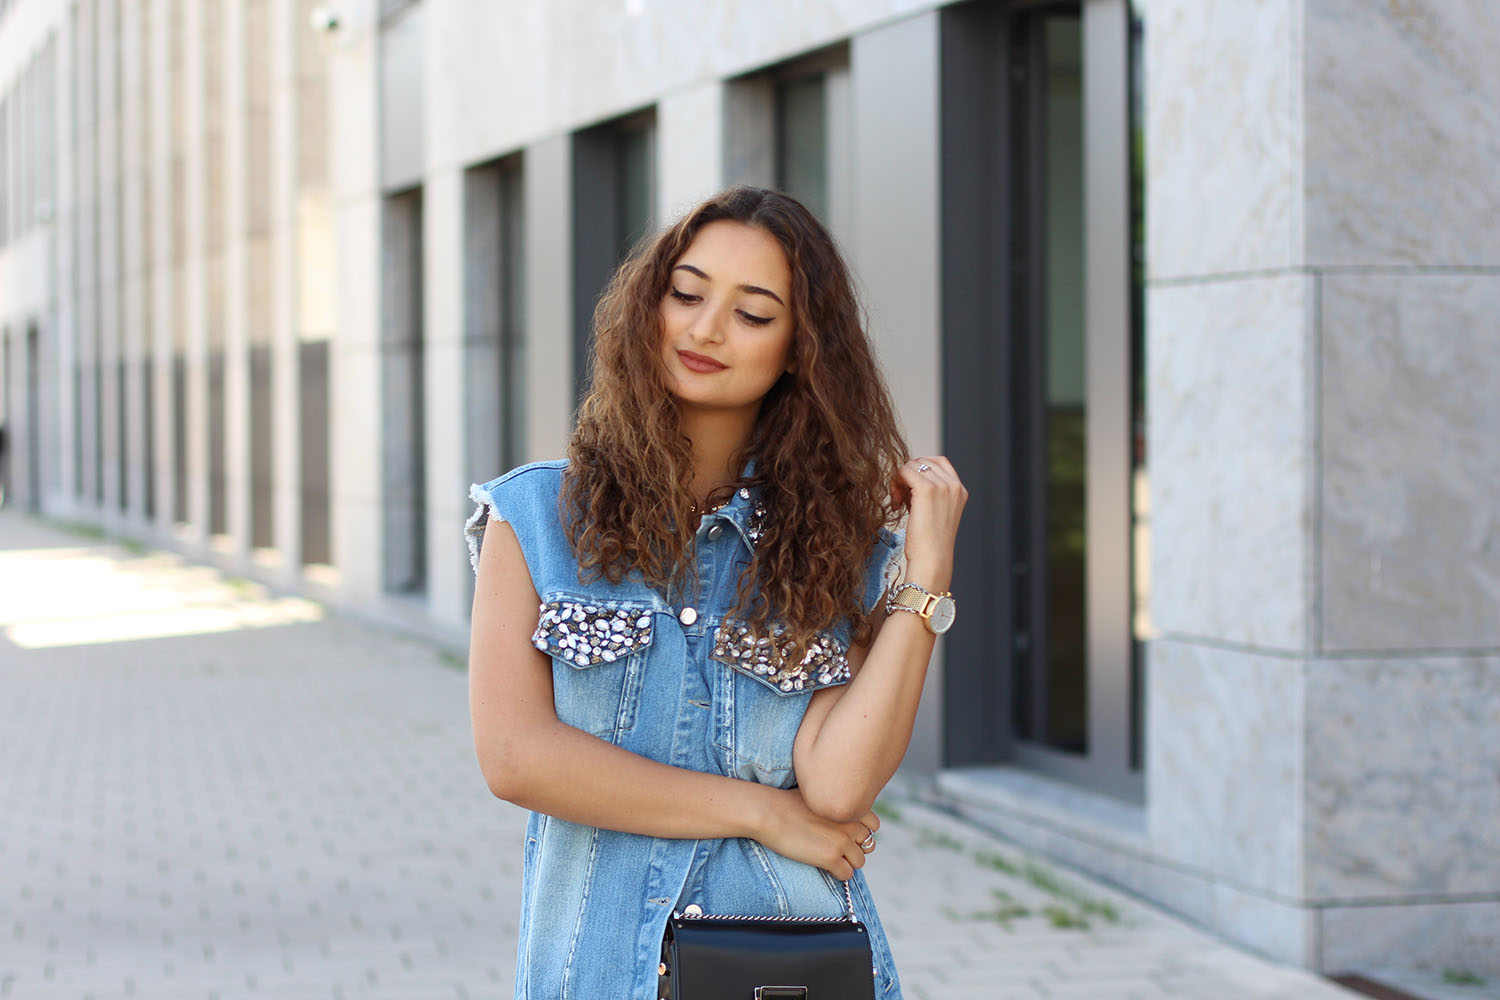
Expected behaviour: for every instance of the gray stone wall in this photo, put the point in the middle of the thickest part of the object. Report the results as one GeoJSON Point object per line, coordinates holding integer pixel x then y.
{"type": "Point", "coordinates": [1325, 455]}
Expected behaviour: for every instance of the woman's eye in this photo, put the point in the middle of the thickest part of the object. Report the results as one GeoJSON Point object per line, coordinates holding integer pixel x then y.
{"type": "Point", "coordinates": [684, 297]}
{"type": "Point", "coordinates": [754, 320]}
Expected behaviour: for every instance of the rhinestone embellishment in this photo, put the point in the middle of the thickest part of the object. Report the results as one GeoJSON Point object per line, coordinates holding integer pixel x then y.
{"type": "Point", "coordinates": [769, 658]}
{"type": "Point", "coordinates": [755, 524]}
{"type": "Point", "coordinates": [586, 634]}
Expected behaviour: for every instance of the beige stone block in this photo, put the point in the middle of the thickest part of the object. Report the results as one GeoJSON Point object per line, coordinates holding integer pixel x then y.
{"type": "Point", "coordinates": [1402, 799]}
{"type": "Point", "coordinates": [1403, 133]}
{"type": "Point", "coordinates": [1228, 459]}
{"type": "Point", "coordinates": [1225, 766]}
{"type": "Point", "coordinates": [1411, 462]}
{"type": "Point", "coordinates": [690, 142]}
{"type": "Point", "coordinates": [1223, 137]}
{"type": "Point", "coordinates": [571, 63]}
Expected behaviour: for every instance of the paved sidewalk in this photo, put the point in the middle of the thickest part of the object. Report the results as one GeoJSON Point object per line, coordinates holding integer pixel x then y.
{"type": "Point", "coordinates": [211, 793]}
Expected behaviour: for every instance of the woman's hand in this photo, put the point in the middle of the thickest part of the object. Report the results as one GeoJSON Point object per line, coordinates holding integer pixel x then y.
{"type": "Point", "coordinates": [795, 831]}
{"type": "Point", "coordinates": [934, 497]}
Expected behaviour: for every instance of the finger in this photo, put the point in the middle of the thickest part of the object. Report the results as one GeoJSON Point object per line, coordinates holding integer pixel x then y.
{"type": "Point", "coordinates": [871, 821]}
{"type": "Point", "coordinates": [941, 462]}
{"type": "Point", "coordinates": [931, 470]}
{"type": "Point", "coordinates": [900, 492]}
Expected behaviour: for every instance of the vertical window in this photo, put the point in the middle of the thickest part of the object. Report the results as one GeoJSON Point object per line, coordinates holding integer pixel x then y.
{"type": "Point", "coordinates": [614, 207]}
{"type": "Point", "coordinates": [1140, 481]}
{"type": "Point", "coordinates": [403, 402]}
{"type": "Point", "coordinates": [788, 129]}
{"type": "Point", "coordinates": [1050, 393]}
{"type": "Point", "coordinates": [1038, 304]}
{"type": "Point", "coordinates": [802, 141]}
{"type": "Point", "coordinates": [494, 312]}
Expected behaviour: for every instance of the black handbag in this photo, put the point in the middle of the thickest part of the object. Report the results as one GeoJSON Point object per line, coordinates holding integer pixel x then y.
{"type": "Point", "coordinates": [712, 957]}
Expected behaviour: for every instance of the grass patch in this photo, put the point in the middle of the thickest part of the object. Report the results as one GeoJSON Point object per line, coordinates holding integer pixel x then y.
{"type": "Point", "coordinates": [451, 659]}
{"type": "Point", "coordinates": [887, 812]}
{"type": "Point", "coordinates": [1006, 910]}
{"type": "Point", "coordinates": [999, 862]}
{"type": "Point", "coordinates": [81, 529]}
{"type": "Point", "coordinates": [938, 838]}
{"type": "Point", "coordinates": [1086, 906]}
{"type": "Point", "coordinates": [1462, 977]}
{"type": "Point", "coordinates": [132, 547]}
{"type": "Point", "coordinates": [1065, 919]}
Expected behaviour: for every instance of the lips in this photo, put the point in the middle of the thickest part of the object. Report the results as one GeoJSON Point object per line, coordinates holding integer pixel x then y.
{"type": "Point", "coordinates": [700, 363]}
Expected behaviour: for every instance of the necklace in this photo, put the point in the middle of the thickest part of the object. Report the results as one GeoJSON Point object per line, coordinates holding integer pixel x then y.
{"type": "Point", "coordinates": [711, 509]}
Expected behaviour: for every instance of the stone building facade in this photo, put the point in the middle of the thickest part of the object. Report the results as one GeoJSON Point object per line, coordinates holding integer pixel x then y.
{"type": "Point", "coordinates": [1201, 297]}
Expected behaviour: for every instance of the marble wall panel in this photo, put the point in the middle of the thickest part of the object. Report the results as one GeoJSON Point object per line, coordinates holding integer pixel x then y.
{"type": "Point", "coordinates": [1410, 494]}
{"type": "Point", "coordinates": [1459, 936]}
{"type": "Point", "coordinates": [1402, 796]}
{"type": "Point", "coordinates": [895, 246]}
{"type": "Point", "coordinates": [569, 63]}
{"type": "Point", "coordinates": [1403, 132]}
{"type": "Point", "coordinates": [1223, 136]}
{"type": "Point", "coordinates": [1228, 457]}
{"type": "Point", "coordinates": [1224, 764]}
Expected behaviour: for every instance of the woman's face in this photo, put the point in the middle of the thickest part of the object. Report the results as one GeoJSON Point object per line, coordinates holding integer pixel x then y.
{"type": "Point", "coordinates": [726, 319]}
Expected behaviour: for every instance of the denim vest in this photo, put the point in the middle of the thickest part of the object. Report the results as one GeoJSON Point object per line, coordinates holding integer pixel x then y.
{"type": "Point", "coordinates": [668, 677]}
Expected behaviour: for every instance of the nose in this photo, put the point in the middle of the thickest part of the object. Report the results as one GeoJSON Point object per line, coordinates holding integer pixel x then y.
{"type": "Point", "coordinates": [708, 325]}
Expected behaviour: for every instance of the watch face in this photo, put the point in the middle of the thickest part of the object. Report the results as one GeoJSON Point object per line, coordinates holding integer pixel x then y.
{"type": "Point", "coordinates": [943, 613]}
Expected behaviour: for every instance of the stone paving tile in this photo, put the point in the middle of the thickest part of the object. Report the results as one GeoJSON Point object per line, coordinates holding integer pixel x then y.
{"type": "Point", "coordinates": [289, 807]}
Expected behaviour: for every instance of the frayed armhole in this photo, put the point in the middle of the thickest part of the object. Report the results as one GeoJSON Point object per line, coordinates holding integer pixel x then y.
{"type": "Point", "coordinates": [893, 566]}
{"type": "Point", "coordinates": [484, 512]}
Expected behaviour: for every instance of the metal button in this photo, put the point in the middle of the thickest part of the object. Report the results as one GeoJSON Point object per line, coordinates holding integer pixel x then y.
{"type": "Point", "coordinates": [688, 615]}
{"type": "Point", "coordinates": [715, 532]}
{"type": "Point", "coordinates": [693, 909]}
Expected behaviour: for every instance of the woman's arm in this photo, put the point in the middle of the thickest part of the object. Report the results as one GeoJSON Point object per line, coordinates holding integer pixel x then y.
{"type": "Point", "coordinates": [529, 757]}
{"type": "Point", "coordinates": [853, 737]}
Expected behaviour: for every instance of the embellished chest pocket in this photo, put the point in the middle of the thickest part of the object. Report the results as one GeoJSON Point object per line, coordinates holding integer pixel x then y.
{"type": "Point", "coordinates": [763, 694]}
{"type": "Point", "coordinates": [598, 651]}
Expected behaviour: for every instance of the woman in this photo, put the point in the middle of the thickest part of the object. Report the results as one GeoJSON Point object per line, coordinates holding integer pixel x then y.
{"type": "Point", "coordinates": [712, 693]}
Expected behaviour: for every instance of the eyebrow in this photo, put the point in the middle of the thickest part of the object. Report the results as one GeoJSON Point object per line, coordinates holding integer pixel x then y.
{"type": "Point", "coordinates": [751, 289]}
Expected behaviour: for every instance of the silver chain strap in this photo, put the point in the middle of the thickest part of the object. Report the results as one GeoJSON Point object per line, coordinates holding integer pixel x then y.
{"type": "Point", "coordinates": [847, 915]}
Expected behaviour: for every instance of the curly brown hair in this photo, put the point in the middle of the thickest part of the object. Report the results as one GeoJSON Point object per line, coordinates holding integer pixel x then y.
{"type": "Point", "coordinates": [826, 442]}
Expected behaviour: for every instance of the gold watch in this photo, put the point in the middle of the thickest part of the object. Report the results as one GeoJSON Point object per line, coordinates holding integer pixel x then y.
{"type": "Point", "coordinates": [936, 610]}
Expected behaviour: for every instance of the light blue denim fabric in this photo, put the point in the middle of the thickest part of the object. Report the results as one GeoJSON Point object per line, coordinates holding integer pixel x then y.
{"type": "Point", "coordinates": [595, 902]}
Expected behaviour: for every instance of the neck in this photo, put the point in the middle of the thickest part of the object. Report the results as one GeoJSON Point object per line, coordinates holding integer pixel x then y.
{"type": "Point", "coordinates": [718, 436]}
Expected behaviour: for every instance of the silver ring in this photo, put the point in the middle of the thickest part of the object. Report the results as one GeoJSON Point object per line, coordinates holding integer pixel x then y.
{"type": "Point", "coordinates": [868, 844]}
{"type": "Point", "coordinates": [923, 467]}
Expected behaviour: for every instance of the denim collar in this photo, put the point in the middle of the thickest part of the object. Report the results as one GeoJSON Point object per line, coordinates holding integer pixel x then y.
{"type": "Point", "coordinates": [746, 509]}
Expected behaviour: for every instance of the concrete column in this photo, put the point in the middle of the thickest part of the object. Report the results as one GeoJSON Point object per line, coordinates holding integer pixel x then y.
{"type": "Point", "coordinates": [60, 344]}
{"type": "Point", "coordinates": [893, 246]}
{"type": "Point", "coordinates": [355, 356]}
{"type": "Point", "coordinates": [1324, 698]}
{"type": "Point", "coordinates": [107, 152]}
{"type": "Point", "coordinates": [690, 147]}
{"type": "Point", "coordinates": [549, 313]}
{"type": "Point", "coordinates": [86, 445]}
{"type": "Point", "coordinates": [287, 35]}
{"type": "Point", "coordinates": [235, 320]}
{"type": "Point", "coordinates": [194, 274]}
{"type": "Point", "coordinates": [134, 158]}
{"type": "Point", "coordinates": [163, 291]}
{"type": "Point", "coordinates": [448, 572]}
